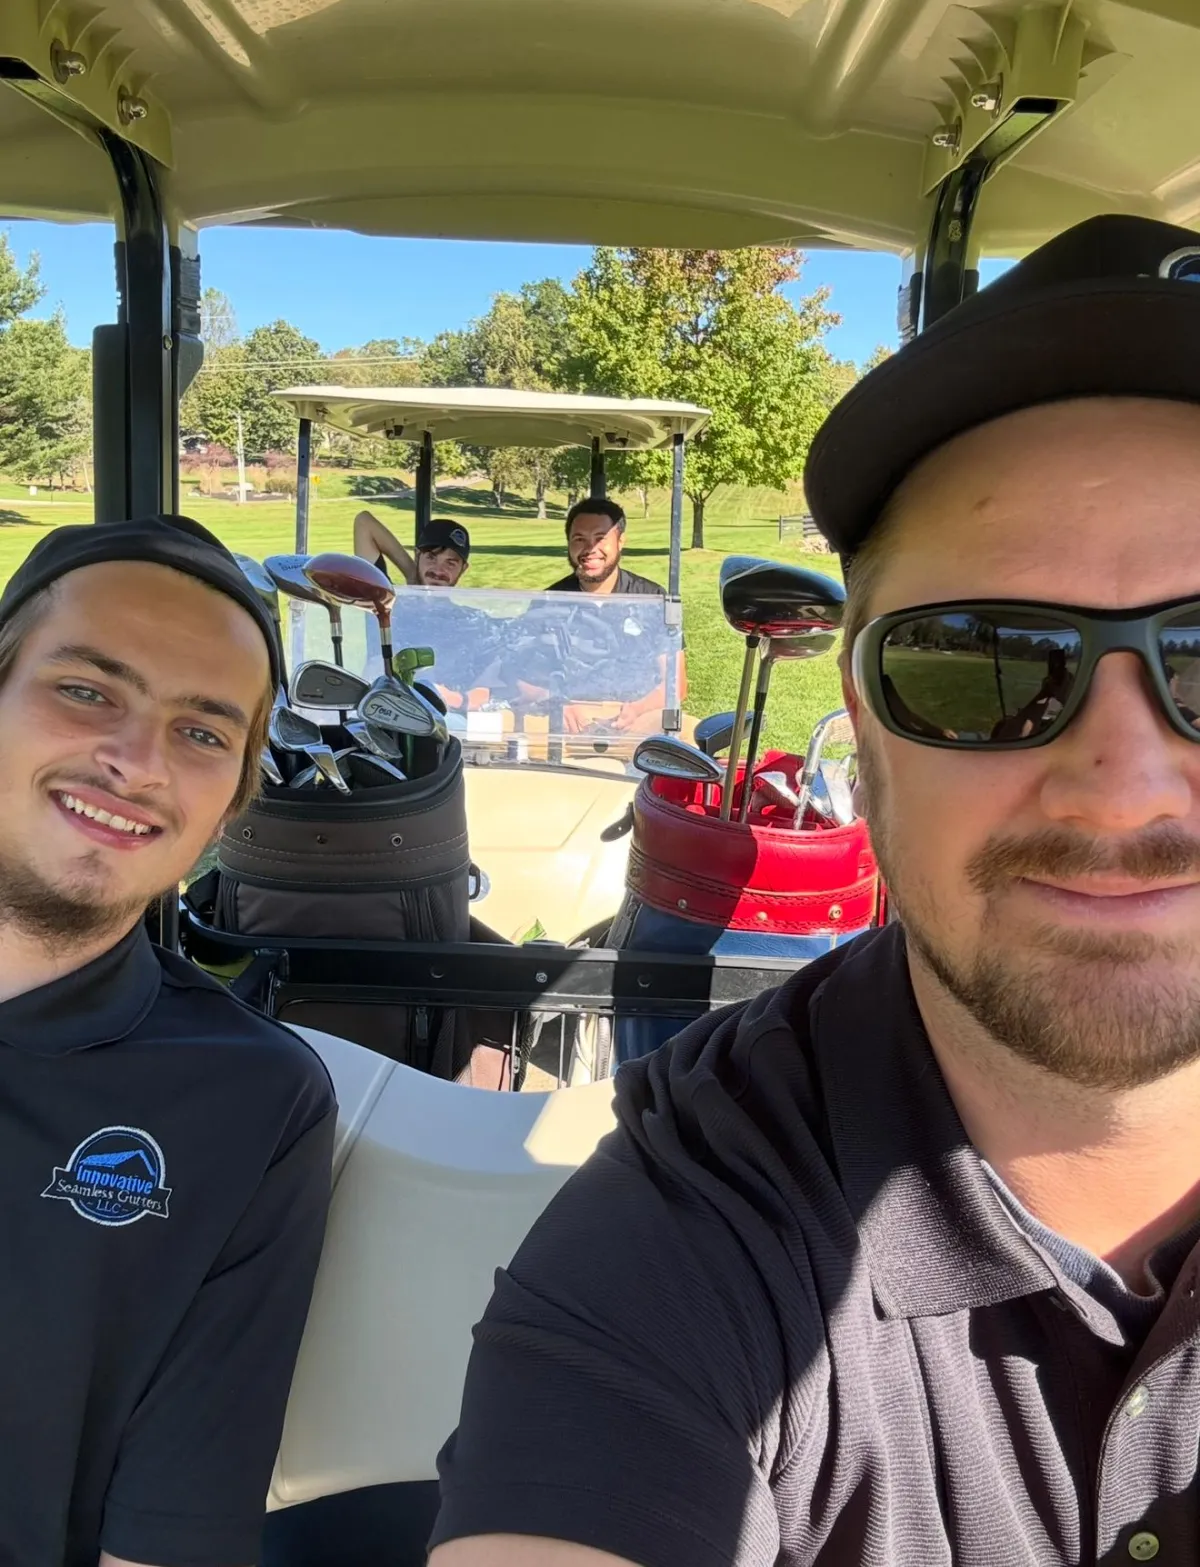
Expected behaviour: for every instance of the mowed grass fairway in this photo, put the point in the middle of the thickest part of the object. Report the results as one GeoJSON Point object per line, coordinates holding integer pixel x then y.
{"type": "Point", "coordinates": [512, 549]}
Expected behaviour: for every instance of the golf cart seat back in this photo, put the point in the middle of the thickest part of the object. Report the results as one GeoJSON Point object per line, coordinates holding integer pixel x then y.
{"type": "Point", "coordinates": [435, 1186]}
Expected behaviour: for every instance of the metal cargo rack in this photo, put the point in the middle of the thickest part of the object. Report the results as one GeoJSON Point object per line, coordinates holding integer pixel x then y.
{"type": "Point", "coordinates": [531, 984]}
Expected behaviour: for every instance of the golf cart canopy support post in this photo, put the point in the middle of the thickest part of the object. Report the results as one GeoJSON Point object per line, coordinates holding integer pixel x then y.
{"type": "Point", "coordinates": [303, 483]}
{"type": "Point", "coordinates": [423, 501]}
{"type": "Point", "coordinates": [598, 485]}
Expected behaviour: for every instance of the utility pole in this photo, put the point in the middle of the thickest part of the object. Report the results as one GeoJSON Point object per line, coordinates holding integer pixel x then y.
{"type": "Point", "coordinates": [241, 459]}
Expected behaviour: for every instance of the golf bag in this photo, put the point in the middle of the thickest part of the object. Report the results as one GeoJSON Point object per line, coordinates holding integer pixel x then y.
{"type": "Point", "coordinates": [389, 863]}
{"type": "Point", "coordinates": [697, 884]}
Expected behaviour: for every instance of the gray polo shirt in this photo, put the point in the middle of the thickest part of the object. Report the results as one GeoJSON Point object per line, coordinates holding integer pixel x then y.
{"type": "Point", "coordinates": [782, 1316]}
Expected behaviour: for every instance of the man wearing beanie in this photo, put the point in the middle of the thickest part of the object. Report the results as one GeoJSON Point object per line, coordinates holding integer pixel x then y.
{"type": "Point", "coordinates": [900, 1263]}
{"type": "Point", "coordinates": [164, 1151]}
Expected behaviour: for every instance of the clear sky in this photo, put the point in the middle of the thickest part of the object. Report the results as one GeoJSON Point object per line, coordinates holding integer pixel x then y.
{"type": "Point", "coordinates": [343, 289]}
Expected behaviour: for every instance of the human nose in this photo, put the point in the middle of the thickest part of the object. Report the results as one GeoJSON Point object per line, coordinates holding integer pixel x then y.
{"type": "Point", "coordinates": [1119, 766]}
{"type": "Point", "coordinates": [134, 753]}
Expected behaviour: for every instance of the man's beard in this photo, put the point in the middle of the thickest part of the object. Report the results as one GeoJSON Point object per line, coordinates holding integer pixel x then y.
{"type": "Point", "coordinates": [1070, 1001]}
{"type": "Point", "coordinates": [51, 914]}
{"type": "Point", "coordinates": [602, 574]}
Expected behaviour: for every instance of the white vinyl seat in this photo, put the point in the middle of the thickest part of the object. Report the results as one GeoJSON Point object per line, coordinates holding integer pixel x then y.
{"type": "Point", "coordinates": [435, 1186]}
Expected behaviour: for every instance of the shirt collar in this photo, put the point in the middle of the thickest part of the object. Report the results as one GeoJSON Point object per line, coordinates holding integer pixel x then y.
{"type": "Point", "coordinates": [94, 1005]}
{"type": "Point", "coordinates": [936, 1237]}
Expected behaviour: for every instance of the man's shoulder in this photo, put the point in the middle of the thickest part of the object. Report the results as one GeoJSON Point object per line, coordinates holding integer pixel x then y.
{"type": "Point", "coordinates": [631, 582]}
{"type": "Point", "coordinates": [567, 584]}
{"type": "Point", "coordinates": [214, 1018]}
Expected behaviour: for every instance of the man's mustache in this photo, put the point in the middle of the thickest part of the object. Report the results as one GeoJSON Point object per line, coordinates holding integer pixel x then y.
{"type": "Point", "coordinates": [1162, 854]}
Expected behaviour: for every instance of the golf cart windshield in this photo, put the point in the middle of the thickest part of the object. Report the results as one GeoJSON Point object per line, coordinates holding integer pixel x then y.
{"type": "Point", "coordinates": [526, 677]}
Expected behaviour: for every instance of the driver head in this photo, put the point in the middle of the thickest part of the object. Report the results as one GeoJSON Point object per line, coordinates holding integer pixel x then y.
{"type": "Point", "coordinates": [769, 599]}
{"type": "Point", "coordinates": [349, 580]}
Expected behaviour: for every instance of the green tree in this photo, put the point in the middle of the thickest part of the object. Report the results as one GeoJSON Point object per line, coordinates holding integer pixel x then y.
{"type": "Point", "coordinates": [239, 376]}
{"type": "Point", "coordinates": [878, 354]}
{"type": "Point", "coordinates": [520, 343]}
{"type": "Point", "coordinates": [45, 405]}
{"type": "Point", "coordinates": [710, 327]}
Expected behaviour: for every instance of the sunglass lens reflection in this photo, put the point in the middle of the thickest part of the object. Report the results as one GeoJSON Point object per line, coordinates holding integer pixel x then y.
{"type": "Point", "coordinates": [979, 677]}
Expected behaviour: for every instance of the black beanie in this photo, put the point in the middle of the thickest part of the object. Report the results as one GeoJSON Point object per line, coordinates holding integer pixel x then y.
{"type": "Point", "coordinates": [177, 542]}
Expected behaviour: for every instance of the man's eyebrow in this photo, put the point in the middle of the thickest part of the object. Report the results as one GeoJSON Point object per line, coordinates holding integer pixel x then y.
{"type": "Point", "coordinates": [117, 669]}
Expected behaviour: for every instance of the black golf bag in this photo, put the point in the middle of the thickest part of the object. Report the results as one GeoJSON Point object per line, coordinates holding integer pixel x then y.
{"type": "Point", "coordinates": [388, 863]}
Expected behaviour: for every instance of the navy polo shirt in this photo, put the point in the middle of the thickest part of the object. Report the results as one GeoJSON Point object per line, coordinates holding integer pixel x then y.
{"type": "Point", "coordinates": [164, 1179]}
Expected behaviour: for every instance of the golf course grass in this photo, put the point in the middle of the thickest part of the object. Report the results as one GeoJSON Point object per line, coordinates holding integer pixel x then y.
{"type": "Point", "coordinates": [512, 549]}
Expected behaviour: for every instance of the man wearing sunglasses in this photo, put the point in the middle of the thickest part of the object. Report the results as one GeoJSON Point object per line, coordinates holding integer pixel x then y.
{"type": "Point", "coordinates": [899, 1264]}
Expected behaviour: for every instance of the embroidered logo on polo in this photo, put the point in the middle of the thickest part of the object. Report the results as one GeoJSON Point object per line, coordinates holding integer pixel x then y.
{"type": "Point", "coordinates": [116, 1176]}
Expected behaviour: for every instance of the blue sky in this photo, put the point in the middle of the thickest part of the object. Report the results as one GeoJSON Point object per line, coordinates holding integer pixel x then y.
{"type": "Point", "coordinates": [343, 289]}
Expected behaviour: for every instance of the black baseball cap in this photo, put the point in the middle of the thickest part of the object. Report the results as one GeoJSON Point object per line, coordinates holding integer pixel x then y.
{"type": "Point", "coordinates": [441, 534]}
{"type": "Point", "coordinates": [176, 542]}
{"type": "Point", "coordinates": [1108, 308]}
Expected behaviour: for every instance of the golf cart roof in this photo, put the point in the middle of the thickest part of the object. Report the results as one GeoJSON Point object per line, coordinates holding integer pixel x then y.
{"type": "Point", "coordinates": [653, 122]}
{"type": "Point", "coordinates": [493, 416]}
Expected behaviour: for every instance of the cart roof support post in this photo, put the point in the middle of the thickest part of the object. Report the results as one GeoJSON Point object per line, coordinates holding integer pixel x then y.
{"type": "Point", "coordinates": [303, 484]}
{"type": "Point", "coordinates": [598, 487]}
{"type": "Point", "coordinates": [673, 712]}
{"type": "Point", "coordinates": [423, 501]}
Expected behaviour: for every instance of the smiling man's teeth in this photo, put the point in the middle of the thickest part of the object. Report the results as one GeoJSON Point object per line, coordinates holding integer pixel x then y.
{"type": "Point", "coordinates": [105, 818]}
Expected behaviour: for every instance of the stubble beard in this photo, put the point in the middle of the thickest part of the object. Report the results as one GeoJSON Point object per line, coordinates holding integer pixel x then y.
{"type": "Point", "coordinates": [1084, 1006]}
{"type": "Point", "coordinates": [51, 913]}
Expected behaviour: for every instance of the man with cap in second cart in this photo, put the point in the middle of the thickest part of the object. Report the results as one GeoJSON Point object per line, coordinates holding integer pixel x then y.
{"type": "Point", "coordinates": [443, 550]}
{"type": "Point", "coordinates": [164, 1151]}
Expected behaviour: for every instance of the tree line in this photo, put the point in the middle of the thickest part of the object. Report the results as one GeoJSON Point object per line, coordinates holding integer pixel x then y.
{"type": "Point", "coordinates": [712, 327]}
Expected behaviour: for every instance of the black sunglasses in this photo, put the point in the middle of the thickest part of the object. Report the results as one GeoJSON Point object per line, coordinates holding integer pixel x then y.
{"type": "Point", "coordinates": [1009, 674]}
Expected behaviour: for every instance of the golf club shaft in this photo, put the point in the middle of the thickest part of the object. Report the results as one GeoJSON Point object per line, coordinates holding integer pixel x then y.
{"type": "Point", "coordinates": [739, 718]}
{"type": "Point", "coordinates": [756, 723]}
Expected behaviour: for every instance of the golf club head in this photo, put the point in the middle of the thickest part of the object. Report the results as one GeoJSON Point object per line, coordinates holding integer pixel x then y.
{"type": "Point", "coordinates": [259, 578]}
{"type": "Point", "coordinates": [408, 660]}
{"type": "Point", "coordinates": [774, 786]}
{"type": "Point", "coordinates": [310, 776]}
{"type": "Point", "coordinates": [839, 791]}
{"type": "Point", "coordinates": [810, 645]}
{"type": "Point", "coordinates": [287, 573]}
{"type": "Point", "coordinates": [402, 710]}
{"type": "Point", "coordinates": [347, 579]}
{"type": "Point", "coordinates": [664, 756]}
{"type": "Point", "coordinates": [714, 733]}
{"type": "Point", "coordinates": [291, 731]}
{"type": "Point", "coordinates": [270, 767]}
{"type": "Point", "coordinates": [374, 740]}
{"type": "Point", "coordinates": [321, 685]}
{"type": "Point", "coordinates": [766, 598]}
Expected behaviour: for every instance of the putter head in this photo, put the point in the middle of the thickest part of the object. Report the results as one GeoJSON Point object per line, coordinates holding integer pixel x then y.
{"type": "Point", "coordinates": [401, 709]}
{"type": "Point", "coordinates": [408, 660]}
{"type": "Point", "coordinates": [322, 685]}
{"type": "Point", "coordinates": [715, 733]}
{"type": "Point", "coordinates": [765, 598]}
{"type": "Point", "coordinates": [664, 756]}
{"type": "Point", "coordinates": [349, 580]}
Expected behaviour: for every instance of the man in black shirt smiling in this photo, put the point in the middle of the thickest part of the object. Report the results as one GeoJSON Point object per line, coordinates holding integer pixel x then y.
{"type": "Point", "coordinates": [164, 1152]}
